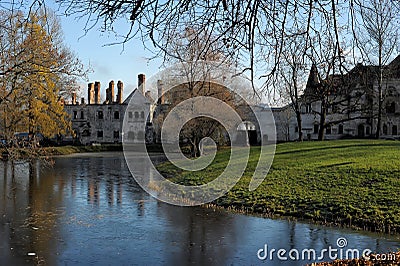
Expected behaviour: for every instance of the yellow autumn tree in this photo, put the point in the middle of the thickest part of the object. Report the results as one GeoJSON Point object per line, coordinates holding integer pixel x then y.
{"type": "Point", "coordinates": [36, 70]}
{"type": "Point", "coordinates": [43, 110]}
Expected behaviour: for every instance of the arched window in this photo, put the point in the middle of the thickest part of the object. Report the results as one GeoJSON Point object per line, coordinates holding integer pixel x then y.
{"type": "Point", "coordinates": [116, 115]}
{"type": "Point", "coordinates": [140, 135]}
{"type": "Point", "coordinates": [316, 128]}
{"type": "Point", "coordinates": [86, 133]}
{"type": "Point", "coordinates": [385, 129]}
{"type": "Point", "coordinates": [340, 129]}
{"type": "Point", "coordinates": [100, 115]}
{"type": "Point", "coordinates": [116, 134]}
{"type": "Point", "coordinates": [142, 114]}
{"type": "Point", "coordinates": [131, 135]}
{"type": "Point", "coordinates": [394, 130]}
{"type": "Point", "coordinates": [328, 130]}
{"type": "Point", "coordinates": [136, 115]}
{"type": "Point", "coordinates": [391, 91]}
{"type": "Point", "coordinates": [391, 108]}
{"type": "Point", "coordinates": [308, 108]}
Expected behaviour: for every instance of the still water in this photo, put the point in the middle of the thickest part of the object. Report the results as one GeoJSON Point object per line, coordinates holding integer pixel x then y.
{"type": "Point", "coordinates": [87, 209]}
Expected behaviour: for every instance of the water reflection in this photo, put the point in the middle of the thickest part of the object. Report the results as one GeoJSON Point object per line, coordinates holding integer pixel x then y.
{"type": "Point", "coordinates": [88, 210]}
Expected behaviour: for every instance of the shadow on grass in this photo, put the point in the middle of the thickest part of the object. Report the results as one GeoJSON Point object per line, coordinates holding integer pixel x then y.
{"type": "Point", "coordinates": [350, 145]}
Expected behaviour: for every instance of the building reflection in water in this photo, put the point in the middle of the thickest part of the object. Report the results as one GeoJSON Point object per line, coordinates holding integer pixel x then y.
{"type": "Point", "coordinates": [87, 209]}
{"type": "Point", "coordinates": [28, 214]}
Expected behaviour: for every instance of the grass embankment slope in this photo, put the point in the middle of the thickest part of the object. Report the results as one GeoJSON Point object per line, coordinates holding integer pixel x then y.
{"type": "Point", "coordinates": [347, 183]}
{"type": "Point", "coordinates": [59, 150]}
{"type": "Point", "coordinates": [66, 150]}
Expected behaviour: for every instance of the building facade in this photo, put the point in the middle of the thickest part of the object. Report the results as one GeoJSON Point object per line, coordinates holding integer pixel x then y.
{"type": "Point", "coordinates": [353, 112]}
{"type": "Point", "coordinates": [101, 122]}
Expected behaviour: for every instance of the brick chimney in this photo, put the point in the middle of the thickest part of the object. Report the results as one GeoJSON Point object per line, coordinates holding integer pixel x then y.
{"type": "Point", "coordinates": [90, 93]}
{"type": "Point", "coordinates": [73, 98]}
{"type": "Point", "coordinates": [160, 90]}
{"type": "Point", "coordinates": [97, 92]}
{"type": "Point", "coordinates": [120, 86]}
{"type": "Point", "coordinates": [141, 83]}
{"type": "Point", "coordinates": [110, 92]}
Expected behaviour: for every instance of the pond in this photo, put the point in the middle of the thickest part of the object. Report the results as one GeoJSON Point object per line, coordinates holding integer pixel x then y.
{"type": "Point", "coordinates": [87, 209]}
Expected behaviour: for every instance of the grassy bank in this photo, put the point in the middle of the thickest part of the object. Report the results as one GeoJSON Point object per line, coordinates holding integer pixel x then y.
{"type": "Point", "coordinates": [23, 153]}
{"type": "Point", "coordinates": [52, 151]}
{"type": "Point", "coordinates": [65, 150]}
{"type": "Point", "coordinates": [352, 183]}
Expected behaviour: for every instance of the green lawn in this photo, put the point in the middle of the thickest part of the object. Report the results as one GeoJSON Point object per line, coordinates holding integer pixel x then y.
{"type": "Point", "coordinates": [348, 183]}
{"type": "Point", "coordinates": [61, 150]}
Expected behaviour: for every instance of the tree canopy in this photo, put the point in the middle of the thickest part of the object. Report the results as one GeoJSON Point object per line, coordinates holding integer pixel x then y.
{"type": "Point", "coordinates": [36, 71]}
{"type": "Point", "coordinates": [254, 34]}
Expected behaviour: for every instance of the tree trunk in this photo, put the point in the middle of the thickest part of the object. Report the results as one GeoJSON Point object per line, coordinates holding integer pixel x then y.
{"type": "Point", "coordinates": [299, 125]}
{"type": "Point", "coordinates": [379, 123]}
{"type": "Point", "coordinates": [380, 97]}
{"type": "Point", "coordinates": [321, 131]}
{"type": "Point", "coordinates": [195, 150]}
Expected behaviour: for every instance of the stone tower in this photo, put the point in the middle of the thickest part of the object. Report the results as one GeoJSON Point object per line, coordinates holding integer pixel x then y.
{"type": "Point", "coordinates": [160, 92]}
{"type": "Point", "coordinates": [120, 87]}
{"type": "Point", "coordinates": [141, 83]}
{"type": "Point", "coordinates": [97, 92]}
{"type": "Point", "coordinates": [110, 92]}
{"type": "Point", "coordinates": [73, 98]}
{"type": "Point", "coordinates": [313, 81]}
{"type": "Point", "coordinates": [90, 93]}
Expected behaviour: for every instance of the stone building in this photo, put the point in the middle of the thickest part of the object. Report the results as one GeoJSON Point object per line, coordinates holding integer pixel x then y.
{"type": "Point", "coordinates": [254, 117]}
{"type": "Point", "coordinates": [101, 122]}
{"type": "Point", "coordinates": [355, 117]}
{"type": "Point", "coordinates": [353, 112]}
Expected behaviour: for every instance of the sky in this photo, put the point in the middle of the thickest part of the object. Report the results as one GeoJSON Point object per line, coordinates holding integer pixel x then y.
{"type": "Point", "coordinates": [108, 62]}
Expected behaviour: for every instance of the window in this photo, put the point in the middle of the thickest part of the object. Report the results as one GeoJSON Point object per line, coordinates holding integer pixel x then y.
{"type": "Point", "coordinates": [368, 131]}
{"type": "Point", "coordinates": [131, 135]}
{"type": "Point", "coordinates": [116, 134]}
{"type": "Point", "coordinates": [296, 129]}
{"type": "Point", "coordinates": [100, 115]}
{"type": "Point", "coordinates": [316, 129]}
{"type": "Point", "coordinates": [100, 134]}
{"type": "Point", "coordinates": [140, 135]}
{"type": "Point", "coordinates": [308, 108]}
{"type": "Point", "coordinates": [391, 91]}
{"type": "Point", "coordinates": [136, 115]}
{"type": "Point", "coordinates": [116, 115]}
{"type": "Point", "coordinates": [385, 129]}
{"type": "Point", "coordinates": [340, 129]}
{"type": "Point", "coordinates": [391, 108]}
{"type": "Point", "coordinates": [142, 114]}
{"type": "Point", "coordinates": [130, 115]}
{"type": "Point", "coordinates": [328, 130]}
{"type": "Point", "coordinates": [86, 133]}
{"type": "Point", "coordinates": [335, 108]}
{"type": "Point", "coordinates": [394, 130]}
{"type": "Point", "coordinates": [75, 115]}
{"type": "Point", "coordinates": [82, 115]}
